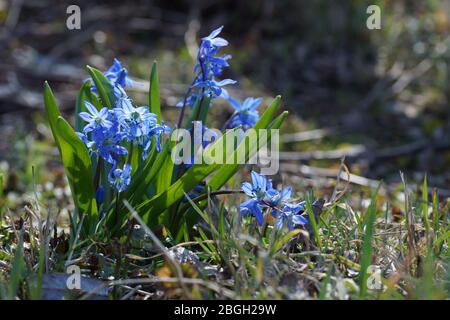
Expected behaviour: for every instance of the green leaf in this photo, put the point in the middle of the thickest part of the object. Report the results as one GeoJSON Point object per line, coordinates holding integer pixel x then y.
{"type": "Point", "coordinates": [164, 176]}
{"type": "Point", "coordinates": [104, 87]}
{"type": "Point", "coordinates": [280, 243]}
{"type": "Point", "coordinates": [312, 219]}
{"type": "Point", "coordinates": [154, 100]}
{"type": "Point", "coordinates": [425, 207]}
{"type": "Point", "coordinates": [52, 111]}
{"type": "Point", "coordinates": [75, 158]}
{"type": "Point", "coordinates": [146, 174]}
{"type": "Point", "coordinates": [366, 255]}
{"type": "Point", "coordinates": [77, 165]}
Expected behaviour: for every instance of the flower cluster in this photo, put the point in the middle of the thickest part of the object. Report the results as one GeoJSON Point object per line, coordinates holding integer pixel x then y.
{"type": "Point", "coordinates": [108, 132]}
{"type": "Point", "coordinates": [264, 196]}
{"type": "Point", "coordinates": [208, 67]}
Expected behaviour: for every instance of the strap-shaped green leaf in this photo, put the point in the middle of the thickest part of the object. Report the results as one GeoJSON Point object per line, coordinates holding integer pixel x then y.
{"type": "Point", "coordinates": [104, 87]}
{"type": "Point", "coordinates": [164, 176]}
{"type": "Point", "coordinates": [77, 165]}
{"type": "Point", "coordinates": [154, 100]}
{"type": "Point", "coordinates": [75, 157]}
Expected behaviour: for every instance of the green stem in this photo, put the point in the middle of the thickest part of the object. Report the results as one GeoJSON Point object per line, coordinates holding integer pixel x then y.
{"type": "Point", "coordinates": [98, 171]}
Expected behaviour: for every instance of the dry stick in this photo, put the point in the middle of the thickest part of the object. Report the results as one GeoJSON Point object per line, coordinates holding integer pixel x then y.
{"type": "Point", "coordinates": [131, 292]}
{"type": "Point", "coordinates": [165, 251]}
{"type": "Point", "coordinates": [307, 135]}
{"type": "Point", "coordinates": [334, 197]}
{"type": "Point", "coordinates": [140, 291]}
{"type": "Point", "coordinates": [329, 173]}
{"type": "Point", "coordinates": [353, 151]}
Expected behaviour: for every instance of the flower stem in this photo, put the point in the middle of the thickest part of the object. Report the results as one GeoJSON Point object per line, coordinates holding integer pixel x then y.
{"type": "Point", "coordinates": [98, 171]}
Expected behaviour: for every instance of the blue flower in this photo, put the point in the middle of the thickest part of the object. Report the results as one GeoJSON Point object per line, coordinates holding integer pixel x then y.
{"type": "Point", "coordinates": [117, 75]}
{"type": "Point", "coordinates": [252, 207]}
{"type": "Point", "coordinates": [257, 188]}
{"type": "Point", "coordinates": [289, 216]}
{"type": "Point", "coordinates": [212, 40]}
{"type": "Point", "coordinates": [263, 195]}
{"type": "Point", "coordinates": [275, 198]}
{"type": "Point", "coordinates": [108, 146]}
{"type": "Point", "coordinates": [246, 114]}
{"type": "Point", "coordinates": [213, 88]}
{"type": "Point", "coordinates": [120, 178]}
{"type": "Point", "coordinates": [209, 66]}
{"type": "Point", "coordinates": [95, 118]}
{"type": "Point", "coordinates": [153, 131]}
{"type": "Point", "coordinates": [135, 121]}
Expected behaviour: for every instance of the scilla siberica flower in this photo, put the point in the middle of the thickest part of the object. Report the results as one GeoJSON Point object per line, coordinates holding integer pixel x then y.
{"type": "Point", "coordinates": [108, 130]}
{"type": "Point", "coordinates": [263, 195]}
{"type": "Point", "coordinates": [117, 75]}
{"type": "Point", "coordinates": [256, 191]}
{"type": "Point", "coordinates": [207, 68]}
{"type": "Point", "coordinates": [120, 178]}
{"type": "Point", "coordinates": [289, 216]}
{"type": "Point", "coordinates": [246, 114]}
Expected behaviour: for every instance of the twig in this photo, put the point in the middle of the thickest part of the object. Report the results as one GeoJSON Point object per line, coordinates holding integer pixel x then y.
{"type": "Point", "coordinates": [307, 135]}
{"type": "Point", "coordinates": [353, 151]}
{"type": "Point", "coordinates": [131, 292]}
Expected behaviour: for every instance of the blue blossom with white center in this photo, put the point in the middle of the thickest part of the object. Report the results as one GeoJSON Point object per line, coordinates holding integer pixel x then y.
{"type": "Point", "coordinates": [246, 114]}
{"type": "Point", "coordinates": [135, 121]}
{"type": "Point", "coordinates": [94, 118]}
{"type": "Point", "coordinates": [257, 188]}
{"type": "Point", "coordinates": [289, 216]}
{"type": "Point", "coordinates": [264, 197]}
{"type": "Point", "coordinates": [120, 178]}
{"type": "Point", "coordinates": [275, 197]}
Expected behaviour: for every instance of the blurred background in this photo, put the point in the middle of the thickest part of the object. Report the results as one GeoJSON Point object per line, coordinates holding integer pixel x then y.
{"type": "Point", "coordinates": [379, 98]}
